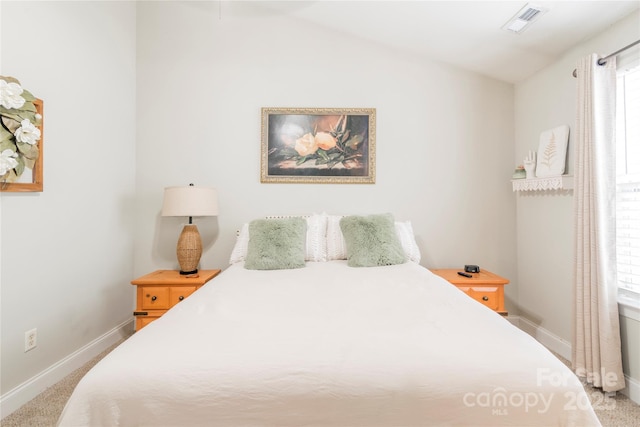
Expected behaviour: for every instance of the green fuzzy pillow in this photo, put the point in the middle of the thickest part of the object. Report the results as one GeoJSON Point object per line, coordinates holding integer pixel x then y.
{"type": "Point", "coordinates": [276, 244]}
{"type": "Point", "coordinates": [371, 241]}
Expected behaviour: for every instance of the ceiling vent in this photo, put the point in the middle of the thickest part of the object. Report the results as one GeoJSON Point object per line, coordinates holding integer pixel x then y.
{"type": "Point", "coordinates": [525, 17]}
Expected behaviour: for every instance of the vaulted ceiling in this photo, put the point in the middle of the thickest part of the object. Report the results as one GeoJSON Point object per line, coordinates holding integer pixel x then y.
{"type": "Point", "coordinates": [468, 34]}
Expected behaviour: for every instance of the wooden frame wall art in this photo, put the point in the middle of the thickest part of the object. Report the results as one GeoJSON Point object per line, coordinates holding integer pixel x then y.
{"type": "Point", "coordinates": [318, 145]}
{"type": "Point", "coordinates": [21, 138]}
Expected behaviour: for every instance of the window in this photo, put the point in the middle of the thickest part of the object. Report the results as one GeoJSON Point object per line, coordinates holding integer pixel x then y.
{"type": "Point", "coordinates": [628, 187]}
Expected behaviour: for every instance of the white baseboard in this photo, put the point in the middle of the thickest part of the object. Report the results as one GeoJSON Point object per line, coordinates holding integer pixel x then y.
{"type": "Point", "coordinates": [632, 389]}
{"type": "Point", "coordinates": [563, 348]}
{"type": "Point", "coordinates": [546, 338]}
{"type": "Point", "coordinates": [18, 396]}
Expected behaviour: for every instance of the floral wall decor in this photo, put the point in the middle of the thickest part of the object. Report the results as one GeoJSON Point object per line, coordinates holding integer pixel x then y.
{"type": "Point", "coordinates": [20, 138]}
{"type": "Point", "coordinates": [318, 145]}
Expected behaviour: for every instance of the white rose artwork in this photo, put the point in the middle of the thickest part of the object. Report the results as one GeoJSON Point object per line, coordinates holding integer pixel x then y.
{"type": "Point", "coordinates": [20, 138]}
{"type": "Point", "coordinates": [27, 133]}
{"type": "Point", "coordinates": [11, 95]}
{"type": "Point", "coordinates": [7, 161]}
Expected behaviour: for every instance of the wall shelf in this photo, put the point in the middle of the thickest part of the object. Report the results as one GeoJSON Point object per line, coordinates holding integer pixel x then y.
{"type": "Point", "coordinates": [563, 182]}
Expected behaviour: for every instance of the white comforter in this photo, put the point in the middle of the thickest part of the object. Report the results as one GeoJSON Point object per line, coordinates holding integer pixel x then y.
{"type": "Point", "coordinates": [329, 345]}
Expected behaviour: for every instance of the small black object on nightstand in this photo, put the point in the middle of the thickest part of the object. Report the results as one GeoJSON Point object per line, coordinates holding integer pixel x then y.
{"type": "Point", "coordinates": [472, 268]}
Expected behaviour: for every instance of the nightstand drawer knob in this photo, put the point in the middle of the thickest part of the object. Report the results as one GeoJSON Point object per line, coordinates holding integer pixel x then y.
{"type": "Point", "coordinates": [180, 298]}
{"type": "Point", "coordinates": [485, 298]}
{"type": "Point", "coordinates": [153, 298]}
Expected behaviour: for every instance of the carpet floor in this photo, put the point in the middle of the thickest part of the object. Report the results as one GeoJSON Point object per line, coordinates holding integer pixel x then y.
{"type": "Point", "coordinates": [44, 409]}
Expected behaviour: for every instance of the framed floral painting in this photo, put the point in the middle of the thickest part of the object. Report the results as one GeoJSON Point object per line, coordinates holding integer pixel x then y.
{"type": "Point", "coordinates": [20, 138]}
{"type": "Point", "coordinates": [318, 145]}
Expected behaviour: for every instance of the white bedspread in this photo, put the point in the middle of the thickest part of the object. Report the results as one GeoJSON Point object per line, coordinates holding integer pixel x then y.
{"type": "Point", "coordinates": [329, 345]}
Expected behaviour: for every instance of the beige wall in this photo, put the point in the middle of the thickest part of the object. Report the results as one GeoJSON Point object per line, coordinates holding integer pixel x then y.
{"type": "Point", "coordinates": [545, 220]}
{"type": "Point", "coordinates": [444, 135]}
{"type": "Point", "coordinates": [67, 253]}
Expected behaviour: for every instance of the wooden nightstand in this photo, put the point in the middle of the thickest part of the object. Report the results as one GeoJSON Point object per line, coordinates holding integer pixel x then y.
{"type": "Point", "coordinates": [484, 287]}
{"type": "Point", "coordinates": [162, 289]}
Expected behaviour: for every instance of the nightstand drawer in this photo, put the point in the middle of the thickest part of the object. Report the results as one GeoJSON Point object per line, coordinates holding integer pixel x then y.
{"type": "Point", "coordinates": [484, 295]}
{"type": "Point", "coordinates": [154, 297]}
{"type": "Point", "coordinates": [179, 293]}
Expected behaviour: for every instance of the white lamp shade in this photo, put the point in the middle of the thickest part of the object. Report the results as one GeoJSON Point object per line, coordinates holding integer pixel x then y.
{"type": "Point", "coordinates": [190, 201]}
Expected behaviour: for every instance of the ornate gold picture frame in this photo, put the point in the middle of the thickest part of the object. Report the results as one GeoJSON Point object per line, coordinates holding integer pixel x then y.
{"type": "Point", "coordinates": [318, 145]}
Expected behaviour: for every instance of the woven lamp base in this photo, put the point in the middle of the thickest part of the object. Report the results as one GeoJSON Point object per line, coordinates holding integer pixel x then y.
{"type": "Point", "coordinates": [189, 249]}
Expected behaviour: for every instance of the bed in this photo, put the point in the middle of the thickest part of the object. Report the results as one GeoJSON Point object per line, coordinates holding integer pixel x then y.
{"type": "Point", "coordinates": [329, 344]}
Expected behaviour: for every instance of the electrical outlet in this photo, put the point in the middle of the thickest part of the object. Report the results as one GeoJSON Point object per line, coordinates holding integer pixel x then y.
{"type": "Point", "coordinates": [30, 339]}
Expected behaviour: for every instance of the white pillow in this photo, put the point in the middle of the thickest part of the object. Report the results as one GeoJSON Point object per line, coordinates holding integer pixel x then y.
{"type": "Point", "coordinates": [315, 245]}
{"type": "Point", "coordinates": [241, 247]}
{"type": "Point", "coordinates": [408, 240]}
{"type": "Point", "coordinates": [337, 247]}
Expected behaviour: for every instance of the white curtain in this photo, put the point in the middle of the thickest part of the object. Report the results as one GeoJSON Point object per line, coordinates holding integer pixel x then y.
{"type": "Point", "coordinates": [596, 339]}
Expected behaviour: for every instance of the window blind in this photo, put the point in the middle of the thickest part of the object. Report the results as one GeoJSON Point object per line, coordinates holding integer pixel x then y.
{"type": "Point", "coordinates": [628, 235]}
{"type": "Point", "coordinates": [628, 186]}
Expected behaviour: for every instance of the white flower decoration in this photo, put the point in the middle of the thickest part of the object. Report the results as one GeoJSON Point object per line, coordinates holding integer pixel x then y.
{"type": "Point", "coordinates": [20, 131]}
{"type": "Point", "coordinates": [10, 95]}
{"type": "Point", "coordinates": [27, 132]}
{"type": "Point", "coordinates": [7, 161]}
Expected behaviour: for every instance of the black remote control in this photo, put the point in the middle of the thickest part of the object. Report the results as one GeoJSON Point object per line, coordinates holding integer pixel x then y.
{"type": "Point", "coordinates": [464, 274]}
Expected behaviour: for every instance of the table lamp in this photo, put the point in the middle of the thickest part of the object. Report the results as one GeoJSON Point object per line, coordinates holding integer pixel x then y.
{"type": "Point", "coordinates": [189, 201]}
